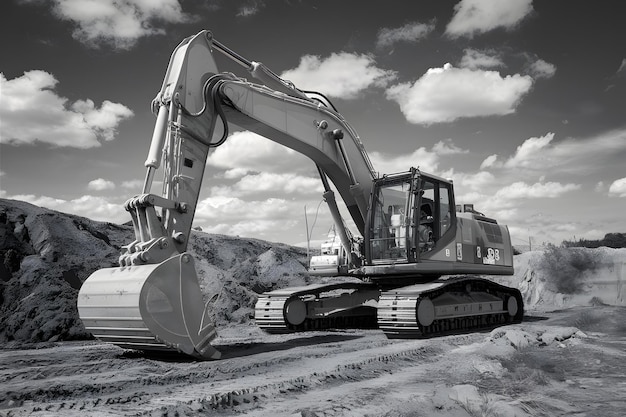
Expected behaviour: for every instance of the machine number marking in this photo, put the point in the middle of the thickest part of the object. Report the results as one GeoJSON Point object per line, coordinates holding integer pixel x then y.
{"type": "Point", "coordinates": [493, 255]}
{"type": "Point", "coordinates": [447, 253]}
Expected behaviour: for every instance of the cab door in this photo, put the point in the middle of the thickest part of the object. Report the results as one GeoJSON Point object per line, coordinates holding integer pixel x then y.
{"type": "Point", "coordinates": [435, 216]}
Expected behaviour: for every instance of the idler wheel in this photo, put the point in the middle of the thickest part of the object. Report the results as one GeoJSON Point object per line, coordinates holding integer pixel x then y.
{"type": "Point", "coordinates": [425, 312]}
{"type": "Point", "coordinates": [295, 312]}
{"type": "Point", "coordinates": [511, 306]}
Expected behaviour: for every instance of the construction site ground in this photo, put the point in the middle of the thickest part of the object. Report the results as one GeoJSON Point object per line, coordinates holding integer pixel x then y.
{"type": "Point", "coordinates": [558, 363]}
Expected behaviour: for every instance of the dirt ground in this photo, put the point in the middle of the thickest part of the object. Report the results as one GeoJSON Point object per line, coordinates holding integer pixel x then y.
{"type": "Point", "coordinates": [560, 363]}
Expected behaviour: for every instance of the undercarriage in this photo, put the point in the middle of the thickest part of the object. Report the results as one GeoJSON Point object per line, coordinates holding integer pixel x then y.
{"type": "Point", "coordinates": [423, 310]}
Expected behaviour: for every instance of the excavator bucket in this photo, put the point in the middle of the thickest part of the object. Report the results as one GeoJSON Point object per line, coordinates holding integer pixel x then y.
{"type": "Point", "coordinates": [149, 307]}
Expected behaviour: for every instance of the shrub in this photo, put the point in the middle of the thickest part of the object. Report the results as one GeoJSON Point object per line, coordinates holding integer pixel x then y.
{"type": "Point", "coordinates": [565, 267]}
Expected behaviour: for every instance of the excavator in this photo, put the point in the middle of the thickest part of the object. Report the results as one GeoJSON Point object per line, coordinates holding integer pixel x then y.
{"type": "Point", "coordinates": [413, 269]}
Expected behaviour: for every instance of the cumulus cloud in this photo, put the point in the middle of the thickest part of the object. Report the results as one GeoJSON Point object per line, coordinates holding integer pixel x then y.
{"type": "Point", "coordinates": [342, 75]}
{"type": "Point", "coordinates": [522, 190]}
{"type": "Point", "coordinates": [529, 152]}
{"type": "Point", "coordinates": [119, 23]}
{"type": "Point", "coordinates": [229, 207]}
{"type": "Point", "coordinates": [618, 188]}
{"type": "Point", "coordinates": [100, 184]}
{"type": "Point", "coordinates": [480, 16]}
{"type": "Point", "coordinates": [542, 69]}
{"type": "Point", "coordinates": [448, 93]}
{"type": "Point", "coordinates": [31, 111]}
{"type": "Point", "coordinates": [250, 228]}
{"type": "Point", "coordinates": [245, 152]}
{"type": "Point", "coordinates": [477, 182]}
{"type": "Point", "coordinates": [475, 59]}
{"type": "Point", "coordinates": [96, 208]}
{"type": "Point", "coordinates": [132, 184]}
{"type": "Point", "coordinates": [411, 32]}
{"type": "Point", "coordinates": [579, 155]}
{"type": "Point", "coordinates": [235, 216]}
{"type": "Point", "coordinates": [421, 158]}
{"type": "Point", "coordinates": [286, 183]}
{"type": "Point", "coordinates": [446, 147]}
{"type": "Point", "coordinates": [265, 183]}
{"type": "Point", "coordinates": [490, 161]}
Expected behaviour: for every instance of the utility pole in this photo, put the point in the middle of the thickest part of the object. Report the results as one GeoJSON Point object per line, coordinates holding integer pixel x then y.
{"type": "Point", "coordinates": [308, 238]}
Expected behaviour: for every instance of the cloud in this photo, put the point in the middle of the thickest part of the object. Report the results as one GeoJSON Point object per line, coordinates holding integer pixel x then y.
{"type": "Point", "coordinates": [529, 152]}
{"type": "Point", "coordinates": [229, 207]}
{"type": "Point", "coordinates": [250, 228]}
{"type": "Point", "coordinates": [245, 152]}
{"type": "Point", "coordinates": [132, 184]}
{"type": "Point", "coordinates": [448, 93]}
{"type": "Point", "coordinates": [521, 190]}
{"type": "Point", "coordinates": [618, 188]}
{"type": "Point", "coordinates": [622, 68]}
{"type": "Point", "coordinates": [96, 208]}
{"type": "Point", "coordinates": [118, 23]}
{"type": "Point", "coordinates": [236, 216]}
{"type": "Point", "coordinates": [446, 147]}
{"type": "Point", "coordinates": [542, 69]}
{"type": "Point", "coordinates": [480, 16]}
{"type": "Point", "coordinates": [343, 74]}
{"type": "Point", "coordinates": [100, 184]}
{"type": "Point", "coordinates": [599, 188]}
{"type": "Point", "coordinates": [489, 162]}
{"type": "Point", "coordinates": [411, 32]}
{"type": "Point", "coordinates": [477, 182]}
{"type": "Point", "coordinates": [577, 155]}
{"type": "Point", "coordinates": [251, 8]}
{"type": "Point", "coordinates": [270, 183]}
{"type": "Point", "coordinates": [31, 111]}
{"type": "Point", "coordinates": [420, 158]}
{"type": "Point", "coordinates": [474, 59]}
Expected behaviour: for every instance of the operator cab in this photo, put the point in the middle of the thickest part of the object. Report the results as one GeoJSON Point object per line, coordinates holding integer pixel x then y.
{"type": "Point", "coordinates": [412, 214]}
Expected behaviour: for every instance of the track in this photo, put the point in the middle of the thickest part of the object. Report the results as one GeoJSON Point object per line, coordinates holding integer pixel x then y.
{"type": "Point", "coordinates": [436, 308]}
{"type": "Point", "coordinates": [344, 373]}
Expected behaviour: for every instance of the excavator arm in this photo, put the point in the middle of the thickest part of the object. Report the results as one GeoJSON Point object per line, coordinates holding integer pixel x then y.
{"type": "Point", "coordinates": [197, 103]}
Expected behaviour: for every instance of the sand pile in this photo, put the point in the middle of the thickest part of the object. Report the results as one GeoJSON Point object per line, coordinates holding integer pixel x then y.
{"type": "Point", "coordinates": [557, 278]}
{"type": "Point", "coordinates": [46, 255]}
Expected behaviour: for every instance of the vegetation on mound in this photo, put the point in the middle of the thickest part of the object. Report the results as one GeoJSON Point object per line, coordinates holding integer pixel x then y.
{"type": "Point", "coordinates": [566, 267]}
{"type": "Point", "coordinates": [610, 240]}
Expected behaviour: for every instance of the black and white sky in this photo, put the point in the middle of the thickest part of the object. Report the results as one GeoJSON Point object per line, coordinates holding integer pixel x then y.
{"type": "Point", "coordinates": [522, 103]}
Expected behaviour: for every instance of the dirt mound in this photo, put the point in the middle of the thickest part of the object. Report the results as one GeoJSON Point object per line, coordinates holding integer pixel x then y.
{"type": "Point", "coordinates": [45, 256]}
{"type": "Point", "coordinates": [566, 277]}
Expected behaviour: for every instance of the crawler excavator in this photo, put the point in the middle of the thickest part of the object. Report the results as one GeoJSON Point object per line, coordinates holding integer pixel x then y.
{"type": "Point", "coordinates": [410, 231]}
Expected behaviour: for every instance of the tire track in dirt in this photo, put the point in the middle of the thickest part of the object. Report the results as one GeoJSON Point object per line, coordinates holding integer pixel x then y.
{"type": "Point", "coordinates": [534, 368]}
{"type": "Point", "coordinates": [131, 384]}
